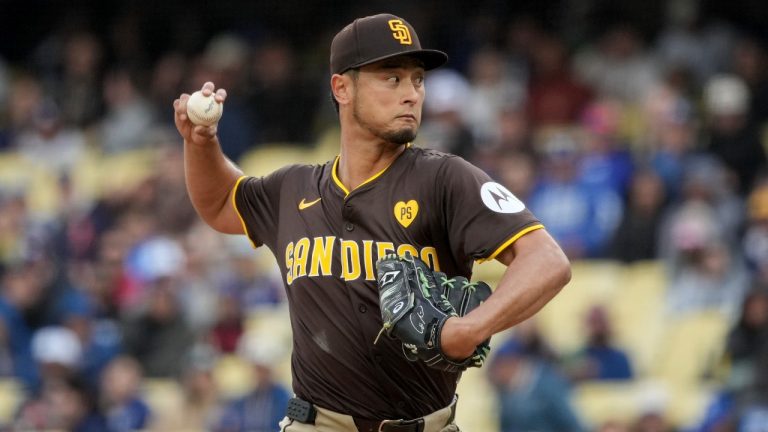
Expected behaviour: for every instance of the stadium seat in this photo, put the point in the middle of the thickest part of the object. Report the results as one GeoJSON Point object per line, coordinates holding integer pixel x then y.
{"type": "Point", "coordinates": [688, 403]}
{"type": "Point", "coordinates": [38, 185]}
{"type": "Point", "coordinates": [275, 322]}
{"type": "Point", "coordinates": [233, 376]}
{"type": "Point", "coordinates": [599, 402]}
{"type": "Point", "coordinates": [11, 395]}
{"type": "Point", "coordinates": [476, 410]}
{"type": "Point", "coordinates": [97, 174]}
{"type": "Point", "coordinates": [691, 348]}
{"type": "Point", "coordinates": [265, 159]}
{"type": "Point", "coordinates": [162, 395]}
{"type": "Point", "coordinates": [637, 310]}
{"type": "Point", "coordinates": [14, 170]}
{"type": "Point", "coordinates": [562, 320]}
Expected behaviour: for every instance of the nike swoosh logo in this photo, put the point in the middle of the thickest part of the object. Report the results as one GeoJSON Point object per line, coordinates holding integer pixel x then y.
{"type": "Point", "coordinates": [303, 204]}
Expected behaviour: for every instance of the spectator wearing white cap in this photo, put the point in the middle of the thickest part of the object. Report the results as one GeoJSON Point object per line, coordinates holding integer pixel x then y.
{"type": "Point", "coordinates": [58, 352]}
{"type": "Point", "coordinates": [444, 126]}
{"type": "Point", "coordinates": [730, 135]}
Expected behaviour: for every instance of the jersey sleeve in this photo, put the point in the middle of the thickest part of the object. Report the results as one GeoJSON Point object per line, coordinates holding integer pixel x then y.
{"type": "Point", "coordinates": [483, 217]}
{"type": "Point", "coordinates": [257, 203]}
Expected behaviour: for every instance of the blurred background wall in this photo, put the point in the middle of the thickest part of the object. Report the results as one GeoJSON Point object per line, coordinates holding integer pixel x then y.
{"type": "Point", "coordinates": [635, 130]}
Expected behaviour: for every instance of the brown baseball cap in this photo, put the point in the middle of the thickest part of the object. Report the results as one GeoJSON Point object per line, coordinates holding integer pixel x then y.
{"type": "Point", "coordinates": [378, 37]}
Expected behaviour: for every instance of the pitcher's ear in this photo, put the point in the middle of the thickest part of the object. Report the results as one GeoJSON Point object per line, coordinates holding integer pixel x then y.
{"type": "Point", "coordinates": [341, 88]}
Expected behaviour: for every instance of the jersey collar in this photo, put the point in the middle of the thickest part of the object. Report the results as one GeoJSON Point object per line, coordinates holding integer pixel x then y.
{"type": "Point", "coordinates": [344, 189]}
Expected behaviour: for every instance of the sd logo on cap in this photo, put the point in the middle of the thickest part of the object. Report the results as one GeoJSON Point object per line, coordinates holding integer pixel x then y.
{"type": "Point", "coordinates": [378, 37]}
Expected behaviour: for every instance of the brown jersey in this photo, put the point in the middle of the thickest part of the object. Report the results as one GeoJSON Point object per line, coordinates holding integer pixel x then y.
{"type": "Point", "coordinates": [327, 240]}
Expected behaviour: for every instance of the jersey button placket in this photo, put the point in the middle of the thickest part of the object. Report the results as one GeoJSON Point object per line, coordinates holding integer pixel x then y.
{"type": "Point", "coordinates": [362, 308]}
{"type": "Point", "coordinates": [346, 213]}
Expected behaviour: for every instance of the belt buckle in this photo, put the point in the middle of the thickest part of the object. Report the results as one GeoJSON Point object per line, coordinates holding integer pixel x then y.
{"type": "Point", "coordinates": [416, 425]}
{"type": "Point", "coordinates": [386, 422]}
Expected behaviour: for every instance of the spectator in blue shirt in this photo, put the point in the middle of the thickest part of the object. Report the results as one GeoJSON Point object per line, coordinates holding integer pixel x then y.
{"type": "Point", "coordinates": [606, 163]}
{"type": "Point", "coordinates": [20, 289]}
{"type": "Point", "coordinates": [532, 394]}
{"type": "Point", "coordinates": [581, 217]}
{"type": "Point", "coordinates": [600, 359]}
{"type": "Point", "coordinates": [100, 337]}
{"type": "Point", "coordinates": [121, 402]}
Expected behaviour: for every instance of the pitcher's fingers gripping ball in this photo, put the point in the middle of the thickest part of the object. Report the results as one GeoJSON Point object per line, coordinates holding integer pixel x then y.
{"type": "Point", "coordinates": [414, 309]}
{"type": "Point", "coordinates": [204, 110]}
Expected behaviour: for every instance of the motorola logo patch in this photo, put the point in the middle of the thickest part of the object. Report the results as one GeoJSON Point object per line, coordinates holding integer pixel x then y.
{"type": "Point", "coordinates": [499, 199]}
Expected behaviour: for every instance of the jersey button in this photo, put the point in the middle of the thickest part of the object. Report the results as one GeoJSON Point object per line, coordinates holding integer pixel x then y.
{"type": "Point", "coordinates": [349, 226]}
{"type": "Point", "coordinates": [362, 308]}
{"type": "Point", "coordinates": [401, 404]}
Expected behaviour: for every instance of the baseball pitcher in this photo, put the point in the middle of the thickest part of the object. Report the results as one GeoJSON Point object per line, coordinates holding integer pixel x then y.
{"type": "Point", "coordinates": [376, 246]}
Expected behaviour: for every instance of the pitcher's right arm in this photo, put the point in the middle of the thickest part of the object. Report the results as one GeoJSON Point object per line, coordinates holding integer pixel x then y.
{"type": "Point", "coordinates": [210, 176]}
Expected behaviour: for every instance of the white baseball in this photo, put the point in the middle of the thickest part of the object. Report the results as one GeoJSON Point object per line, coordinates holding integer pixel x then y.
{"type": "Point", "coordinates": [203, 110]}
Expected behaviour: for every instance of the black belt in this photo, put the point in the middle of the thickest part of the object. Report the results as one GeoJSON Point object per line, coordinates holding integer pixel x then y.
{"type": "Point", "coordinates": [304, 412]}
{"type": "Point", "coordinates": [416, 425]}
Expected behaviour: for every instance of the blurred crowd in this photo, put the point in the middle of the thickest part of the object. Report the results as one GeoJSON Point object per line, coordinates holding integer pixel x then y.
{"type": "Point", "coordinates": [628, 146]}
